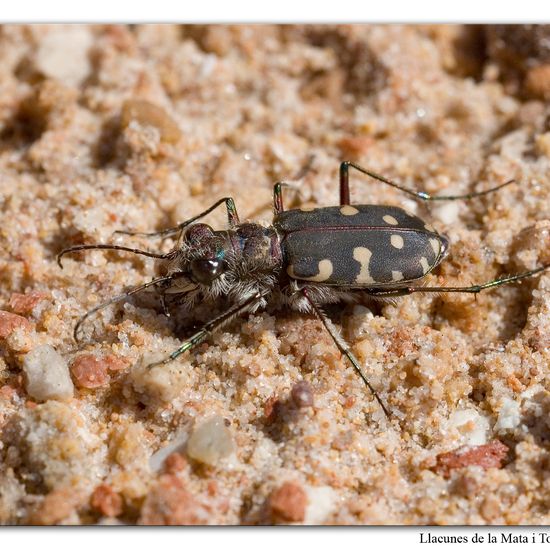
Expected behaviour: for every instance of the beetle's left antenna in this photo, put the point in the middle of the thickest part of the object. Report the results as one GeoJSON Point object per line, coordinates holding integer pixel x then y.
{"type": "Point", "coordinates": [120, 297]}
{"type": "Point", "coordinates": [116, 299]}
{"type": "Point", "coordinates": [106, 247]}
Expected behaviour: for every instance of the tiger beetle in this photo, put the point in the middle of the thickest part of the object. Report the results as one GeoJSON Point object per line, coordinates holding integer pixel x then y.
{"type": "Point", "coordinates": [307, 258]}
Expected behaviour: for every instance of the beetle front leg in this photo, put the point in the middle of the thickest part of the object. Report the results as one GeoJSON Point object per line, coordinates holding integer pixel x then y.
{"type": "Point", "coordinates": [232, 216]}
{"type": "Point", "coordinates": [118, 298]}
{"type": "Point", "coordinates": [210, 327]}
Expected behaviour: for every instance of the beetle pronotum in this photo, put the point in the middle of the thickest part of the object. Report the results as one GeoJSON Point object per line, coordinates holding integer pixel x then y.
{"type": "Point", "coordinates": [306, 259]}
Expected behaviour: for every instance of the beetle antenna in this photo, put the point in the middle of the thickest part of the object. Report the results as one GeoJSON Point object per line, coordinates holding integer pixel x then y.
{"type": "Point", "coordinates": [106, 247]}
{"type": "Point", "coordinates": [116, 299]}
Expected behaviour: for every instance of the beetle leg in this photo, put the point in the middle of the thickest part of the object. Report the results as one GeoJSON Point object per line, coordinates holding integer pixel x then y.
{"type": "Point", "coordinates": [163, 304]}
{"type": "Point", "coordinates": [232, 216]}
{"type": "Point", "coordinates": [278, 197]}
{"type": "Point", "coordinates": [278, 187]}
{"type": "Point", "coordinates": [473, 289]}
{"type": "Point", "coordinates": [210, 327]}
{"type": "Point", "coordinates": [422, 195]}
{"type": "Point", "coordinates": [342, 346]}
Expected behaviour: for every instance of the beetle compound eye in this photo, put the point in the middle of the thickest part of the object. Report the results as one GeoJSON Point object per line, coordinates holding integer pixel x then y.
{"type": "Point", "coordinates": [205, 271]}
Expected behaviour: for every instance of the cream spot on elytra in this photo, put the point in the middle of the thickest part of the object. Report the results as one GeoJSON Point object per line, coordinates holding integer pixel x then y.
{"type": "Point", "coordinates": [397, 241]}
{"type": "Point", "coordinates": [425, 265]}
{"type": "Point", "coordinates": [396, 276]}
{"type": "Point", "coordinates": [363, 256]}
{"type": "Point", "coordinates": [325, 271]}
{"type": "Point", "coordinates": [390, 220]}
{"type": "Point", "coordinates": [436, 247]}
{"type": "Point", "coordinates": [348, 210]}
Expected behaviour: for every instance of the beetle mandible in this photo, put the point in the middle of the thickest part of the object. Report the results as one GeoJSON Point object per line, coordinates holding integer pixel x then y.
{"type": "Point", "coordinates": [306, 259]}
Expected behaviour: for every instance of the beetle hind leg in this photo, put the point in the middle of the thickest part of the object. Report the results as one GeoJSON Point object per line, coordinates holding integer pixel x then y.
{"type": "Point", "coordinates": [343, 347]}
{"type": "Point", "coordinates": [421, 195]}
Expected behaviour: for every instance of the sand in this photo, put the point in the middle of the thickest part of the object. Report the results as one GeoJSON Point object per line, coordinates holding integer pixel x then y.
{"type": "Point", "coordinates": [138, 128]}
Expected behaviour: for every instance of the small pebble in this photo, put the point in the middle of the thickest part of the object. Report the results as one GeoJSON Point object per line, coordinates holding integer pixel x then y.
{"type": "Point", "coordinates": [24, 303]}
{"type": "Point", "coordinates": [147, 113]}
{"type": "Point", "coordinates": [210, 441]}
{"type": "Point", "coordinates": [47, 374]}
{"type": "Point", "coordinates": [89, 371]}
{"type": "Point", "coordinates": [57, 505]}
{"type": "Point", "coordinates": [537, 81]}
{"type": "Point", "coordinates": [288, 503]}
{"type": "Point", "coordinates": [63, 54]}
{"type": "Point", "coordinates": [302, 395]}
{"type": "Point", "coordinates": [160, 384]}
{"type": "Point", "coordinates": [106, 501]}
{"type": "Point", "coordinates": [355, 147]}
{"type": "Point", "coordinates": [10, 322]}
{"type": "Point", "coordinates": [170, 503]}
{"type": "Point", "coordinates": [175, 463]}
{"type": "Point", "coordinates": [447, 213]}
{"type": "Point", "coordinates": [491, 455]}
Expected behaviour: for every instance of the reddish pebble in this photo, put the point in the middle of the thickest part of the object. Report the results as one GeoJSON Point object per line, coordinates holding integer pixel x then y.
{"type": "Point", "coordinates": [114, 362]}
{"type": "Point", "coordinates": [355, 147]}
{"type": "Point", "coordinates": [349, 402]}
{"type": "Point", "coordinates": [212, 488]}
{"type": "Point", "coordinates": [56, 506]}
{"type": "Point", "coordinates": [9, 322]}
{"type": "Point", "coordinates": [89, 371]}
{"type": "Point", "coordinates": [174, 463]}
{"type": "Point", "coordinates": [169, 503]}
{"type": "Point", "coordinates": [288, 503]}
{"type": "Point", "coordinates": [302, 394]}
{"type": "Point", "coordinates": [272, 409]}
{"type": "Point", "coordinates": [24, 303]}
{"type": "Point", "coordinates": [490, 455]}
{"type": "Point", "coordinates": [8, 392]}
{"type": "Point", "coordinates": [106, 501]}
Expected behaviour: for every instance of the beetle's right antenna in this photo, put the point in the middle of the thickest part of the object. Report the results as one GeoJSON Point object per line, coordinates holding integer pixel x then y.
{"type": "Point", "coordinates": [120, 297]}
{"type": "Point", "coordinates": [116, 299]}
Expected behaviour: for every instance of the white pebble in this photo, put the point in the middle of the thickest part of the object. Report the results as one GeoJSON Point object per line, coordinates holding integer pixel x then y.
{"type": "Point", "coordinates": [163, 383]}
{"type": "Point", "coordinates": [472, 427]}
{"type": "Point", "coordinates": [47, 374]}
{"type": "Point", "coordinates": [322, 502]}
{"type": "Point", "coordinates": [447, 213]}
{"type": "Point", "coordinates": [210, 441]}
{"type": "Point", "coordinates": [63, 54]}
{"type": "Point", "coordinates": [509, 416]}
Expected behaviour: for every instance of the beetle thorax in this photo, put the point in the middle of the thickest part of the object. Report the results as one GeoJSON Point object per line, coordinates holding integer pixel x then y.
{"type": "Point", "coordinates": [232, 264]}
